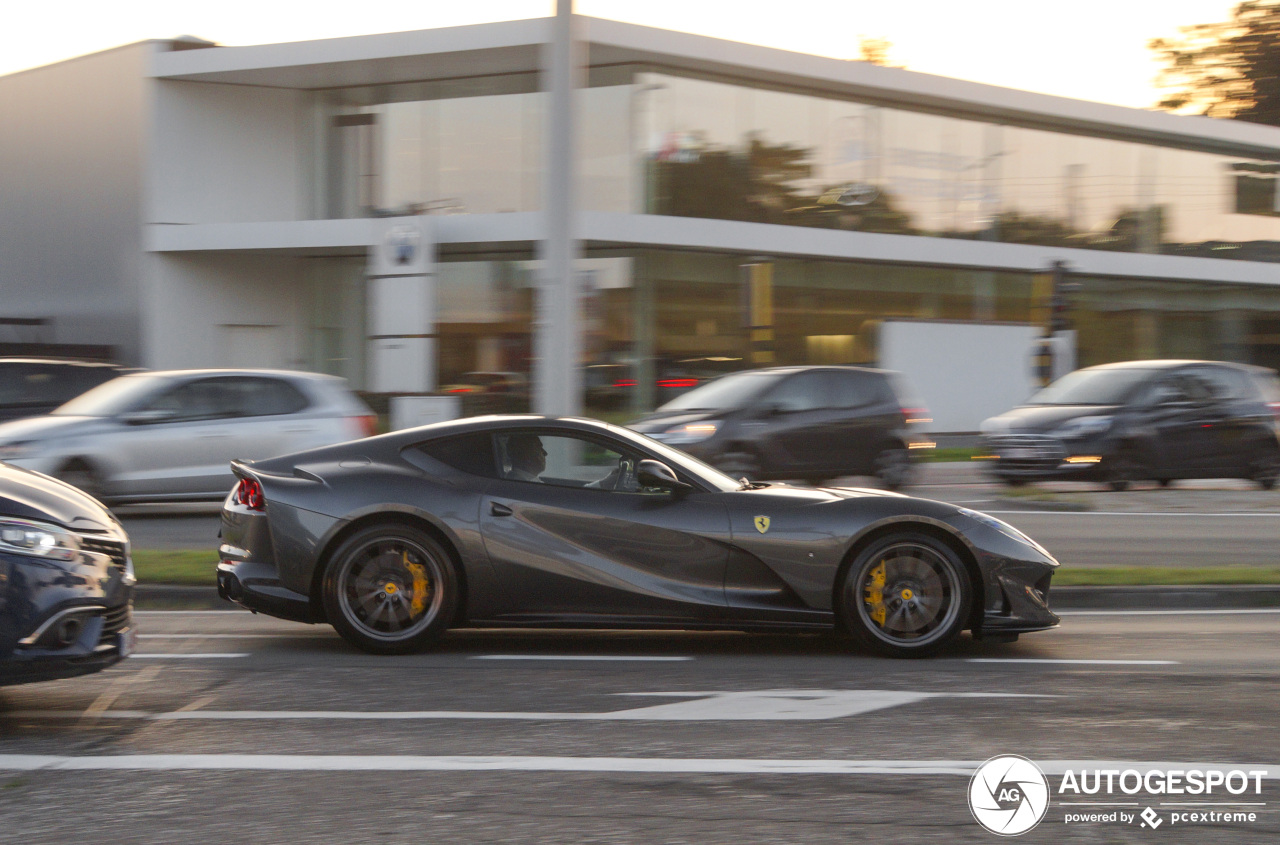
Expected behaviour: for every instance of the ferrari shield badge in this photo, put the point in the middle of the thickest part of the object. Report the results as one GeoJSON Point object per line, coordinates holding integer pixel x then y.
{"type": "Point", "coordinates": [762, 524]}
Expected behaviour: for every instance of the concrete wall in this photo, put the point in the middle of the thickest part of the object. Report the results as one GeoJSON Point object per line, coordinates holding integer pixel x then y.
{"type": "Point", "coordinates": [227, 310]}
{"type": "Point", "coordinates": [230, 153]}
{"type": "Point", "coordinates": [72, 141]}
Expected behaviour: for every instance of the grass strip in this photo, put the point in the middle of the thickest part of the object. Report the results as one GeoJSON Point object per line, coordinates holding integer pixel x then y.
{"type": "Point", "coordinates": [196, 568]}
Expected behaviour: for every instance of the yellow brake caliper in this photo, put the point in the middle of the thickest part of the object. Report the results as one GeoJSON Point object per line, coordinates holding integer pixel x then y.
{"type": "Point", "coordinates": [875, 594]}
{"type": "Point", "coordinates": [421, 585]}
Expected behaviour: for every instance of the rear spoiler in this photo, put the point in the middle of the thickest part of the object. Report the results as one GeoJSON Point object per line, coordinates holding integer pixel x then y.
{"type": "Point", "coordinates": [243, 468]}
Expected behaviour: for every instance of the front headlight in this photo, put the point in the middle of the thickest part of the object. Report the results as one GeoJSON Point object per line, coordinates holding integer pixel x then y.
{"type": "Point", "coordinates": [683, 435]}
{"type": "Point", "coordinates": [13, 451]}
{"type": "Point", "coordinates": [1082, 427]}
{"type": "Point", "coordinates": [36, 539]}
{"type": "Point", "coordinates": [1003, 527]}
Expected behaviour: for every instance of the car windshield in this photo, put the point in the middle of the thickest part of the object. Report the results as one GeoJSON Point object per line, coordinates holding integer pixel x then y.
{"type": "Point", "coordinates": [676, 458]}
{"type": "Point", "coordinates": [113, 397]}
{"type": "Point", "coordinates": [1110, 386]}
{"type": "Point", "coordinates": [731, 391]}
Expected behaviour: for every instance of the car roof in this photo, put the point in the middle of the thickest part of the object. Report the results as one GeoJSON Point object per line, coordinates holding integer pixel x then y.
{"type": "Point", "coordinates": [1171, 363]}
{"type": "Point", "coordinates": [62, 362]}
{"type": "Point", "coordinates": [288, 374]}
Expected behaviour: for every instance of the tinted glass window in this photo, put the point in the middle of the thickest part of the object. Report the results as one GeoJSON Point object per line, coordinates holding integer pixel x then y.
{"type": "Point", "coordinates": [731, 391]}
{"type": "Point", "coordinates": [47, 384]}
{"type": "Point", "coordinates": [195, 400]}
{"type": "Point", "coordinates": [567, 461]}
{"type": "Point", "coordinates": [801, 392]}
{"type": "Point", "coordinates": [258, 397]}
{"type": "Point", "coordinates": [470, 453]}
{"type": "Point", "coordinates": [1093, 387]}
{"type": "Point", "coordinates": [1226, 382]}
{"type": "Point", "coordinates": [1268, 385]}
{"type": "Point", "coordinates": [854, 389]}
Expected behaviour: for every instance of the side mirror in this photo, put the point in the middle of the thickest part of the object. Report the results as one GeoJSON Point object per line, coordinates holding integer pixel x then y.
{"type": "Point", "coordinates": [146, 417]}
{"type": "Point", "coordinates": [652, 473]}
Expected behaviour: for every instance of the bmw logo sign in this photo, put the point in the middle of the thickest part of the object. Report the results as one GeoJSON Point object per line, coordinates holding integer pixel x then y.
{"type": "Point", "coordinates": [402, 241]}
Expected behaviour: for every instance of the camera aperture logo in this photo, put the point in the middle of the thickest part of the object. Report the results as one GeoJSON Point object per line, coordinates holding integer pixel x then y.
{"type": "Point", "coordinates": [1008, 795]}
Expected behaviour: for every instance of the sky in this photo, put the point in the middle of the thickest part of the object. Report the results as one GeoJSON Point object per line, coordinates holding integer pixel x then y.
{"type": "Point", "coordinates": [1086, 49]}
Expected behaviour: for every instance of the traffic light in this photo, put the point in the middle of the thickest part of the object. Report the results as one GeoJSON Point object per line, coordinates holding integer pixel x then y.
{"type": "Point", "coordinates": [1059, 305]}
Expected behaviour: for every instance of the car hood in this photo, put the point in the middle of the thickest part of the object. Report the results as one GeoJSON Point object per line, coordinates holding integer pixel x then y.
{"type": "Point", "coordinates": [663, 421]}
{"type": "Point", "coordinates": [1036, 419]}
{"type": "Point", "coordinates": [42, 428]}
{"type": "Point", "coordinates": [29, 495]}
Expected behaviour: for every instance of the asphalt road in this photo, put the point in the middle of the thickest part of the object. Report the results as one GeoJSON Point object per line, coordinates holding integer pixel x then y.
{"type": "Point", "coordinates": [234, 728]}
{"type": "Point", "coordinates": [1202, 523]}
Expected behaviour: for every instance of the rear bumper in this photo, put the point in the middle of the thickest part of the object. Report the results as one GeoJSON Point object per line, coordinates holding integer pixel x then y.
{"type": "Point", "coordinates": [255, 586]}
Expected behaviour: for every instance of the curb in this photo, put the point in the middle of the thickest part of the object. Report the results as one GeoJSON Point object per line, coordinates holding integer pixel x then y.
{"type": "Point", "coordinates": [170, 597]}
{"type": "Point", "coordinates": [1165, 598]}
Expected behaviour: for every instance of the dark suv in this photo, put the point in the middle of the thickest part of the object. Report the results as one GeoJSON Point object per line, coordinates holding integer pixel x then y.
{"type": "Point", "coordinates": [30, 387]}
{"type": "Point", "coordinates": [1138, 420]}
{"type": "Point", "coordinates": [814, 423]}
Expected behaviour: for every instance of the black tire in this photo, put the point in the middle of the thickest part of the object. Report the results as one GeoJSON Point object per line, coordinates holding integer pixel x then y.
{"type": "Point", "coordinates": [390, 589]}
{"type": "Point", "coordinates": [1123, 469]}
{"type": "Point", "coordinates": [1265, 468]}
{"type": "Point", "coordinates": [1013, 481]}
{"type": "Point", "coordinates": [81, 475]}
{"type": "Point", "coordinates": [908, 594]}
{"type": "Point", "coordinates": [892, 467]}
{"type": "Point", "coordinates": [740, 464]}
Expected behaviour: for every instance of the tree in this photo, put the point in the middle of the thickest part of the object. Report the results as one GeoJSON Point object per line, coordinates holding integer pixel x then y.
{"type": "Point", "coordinates": [875, 51]}
{"type": "Point", "coordinates": [1228, 69]}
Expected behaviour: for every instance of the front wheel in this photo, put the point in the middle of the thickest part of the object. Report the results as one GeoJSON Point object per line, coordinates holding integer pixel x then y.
{"type": "Point", "coordinates": [906, 595]}
{"type": "Point", "coordinates": [1123, 470]}
{"type": "Point", "coordinates": [390, 589]}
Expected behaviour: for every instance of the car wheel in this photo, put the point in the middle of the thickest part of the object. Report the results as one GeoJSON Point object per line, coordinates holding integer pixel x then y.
{"type": "Point", "coordinates": [740, 465]}
{"type": "Point", "coordinates": [1123, 469]}
{"type": "Point", "coordinates": [892, 467]}
{"type": "Point", "coordinates": [390, 589]}
{"type": "Point", "coordinates": [81, 475]}
{"type": "Point", "coordinates": [906, 595]}
{"type": "Point", "coordinates": [1266, 469]}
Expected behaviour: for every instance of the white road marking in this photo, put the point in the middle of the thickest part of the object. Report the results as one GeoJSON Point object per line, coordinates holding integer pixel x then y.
{"type": "Point", "coordinates": [246, 636]}
{"type": "Point", "coordinates": [666, 765]}
{"type": "Point", "coordinates": [1069, 661]}
{"type": "Point", "coordinates": [1241, 611]}
{"type": "Point", "coordinates": [189, 612]}
{"type": "Point", "coordinates": [1132, 513]}
{"type": "Point", "coordinates": [619, 657]}
{"type": "Point", "coordinates": [192, 656]}
{"type": "Point", "coordinates": [764, 705]}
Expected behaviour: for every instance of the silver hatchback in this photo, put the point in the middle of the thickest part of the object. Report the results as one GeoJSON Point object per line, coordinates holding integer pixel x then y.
{"type": "Point", "coordinates": [156, 436]}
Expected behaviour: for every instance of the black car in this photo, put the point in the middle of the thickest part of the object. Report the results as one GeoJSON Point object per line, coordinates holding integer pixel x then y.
{"type": "Point", "coordinates": [531, 521]}
{"type": "Point", "coordinates": [66, 581]}
{"type": "Point", "coordinates": [1142, 420]}
{"type": "Point", "coordinates": [811, 423]}
{"type": "Point", "coordinates": [30, 387]}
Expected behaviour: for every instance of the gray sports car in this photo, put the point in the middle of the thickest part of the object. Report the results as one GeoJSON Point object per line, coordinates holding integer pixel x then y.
{"type": "Point", "coordinates": [534, 521]}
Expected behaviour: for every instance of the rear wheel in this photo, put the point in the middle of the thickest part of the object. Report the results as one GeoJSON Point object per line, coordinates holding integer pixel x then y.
{"type": "Point", "coordinates": [1266, 469]}
{"type": "Point", "coordinates": [740, 464]}
{"type": "Point", "coordinates": [906, 595]}
{"type": "Point", "coordinates": [390, 589]}
{"type": "Point", "coordinates": [892, 467]}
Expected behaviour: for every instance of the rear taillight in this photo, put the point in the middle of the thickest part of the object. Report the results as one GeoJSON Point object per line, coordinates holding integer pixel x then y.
{"type": "Point", "coordinates": [916, 415]}
{"type": "Point", "coordinates": [248, 492]}
{"type": "Point", "coordinates": [1275, 410]}
{"type": "Point", "coordinates": [367, 425]}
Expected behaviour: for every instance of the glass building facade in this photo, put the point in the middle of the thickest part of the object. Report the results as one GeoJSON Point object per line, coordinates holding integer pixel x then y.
{"type": "Point", "coordinates": [654, 141]}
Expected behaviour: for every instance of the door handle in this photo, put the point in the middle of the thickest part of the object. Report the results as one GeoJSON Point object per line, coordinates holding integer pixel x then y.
{"type": "Point", "coordinates": [499, 510]}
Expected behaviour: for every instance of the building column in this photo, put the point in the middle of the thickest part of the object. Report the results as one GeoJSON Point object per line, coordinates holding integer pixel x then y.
{"type": "Point", "coordinates": [557, 330]}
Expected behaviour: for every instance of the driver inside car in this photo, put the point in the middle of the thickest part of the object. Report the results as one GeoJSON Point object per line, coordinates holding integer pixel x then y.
{"type": "Point", "coordinates": [528, 457]}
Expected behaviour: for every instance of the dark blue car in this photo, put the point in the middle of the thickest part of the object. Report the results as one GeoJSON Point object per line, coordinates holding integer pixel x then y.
{"type": "Point", "coordinates": [66, 581]}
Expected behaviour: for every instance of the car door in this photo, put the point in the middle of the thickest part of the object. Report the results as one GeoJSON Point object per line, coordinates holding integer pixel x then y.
{"type": "Point", "coordinates": [580, 536]}
{"type": "Point", "coordinates": [1173, 417]}
{"type": "Point", "coordinates": [799, 424]}
{"type": "Point", "coordinates": [1234, 430]}
{"type": "Point", "coordinates": [172, 444]}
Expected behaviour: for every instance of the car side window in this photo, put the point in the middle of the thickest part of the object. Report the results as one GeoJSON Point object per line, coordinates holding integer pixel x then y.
{"type": "Point", "coordinates": [1196, 388]}
{"type": "Point", "coordinates": [195, 400]}
{"type": "Point", "coordinates": [564, 460]}
{"type": "Point", "coordinates": [469, 453]}
{"type": "Point", "coordinates": [1225, 383]}
{"type": "Point", "coordinates": [262, 397]}
{"type": "Point", "coordinates": [801, 392]}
